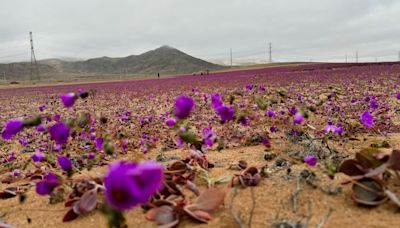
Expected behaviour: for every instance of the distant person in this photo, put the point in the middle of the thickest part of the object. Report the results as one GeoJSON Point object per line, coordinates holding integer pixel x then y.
{"type": "Point", "coordinates": [158, 75]}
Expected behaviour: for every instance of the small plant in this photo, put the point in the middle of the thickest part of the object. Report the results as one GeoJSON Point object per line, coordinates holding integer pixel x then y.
{"type": "Point", "coordinates": [369, 173]}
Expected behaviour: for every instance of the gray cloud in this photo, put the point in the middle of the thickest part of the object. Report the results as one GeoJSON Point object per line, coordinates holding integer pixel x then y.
{"type": "Point", "coordinates": [299, 30]}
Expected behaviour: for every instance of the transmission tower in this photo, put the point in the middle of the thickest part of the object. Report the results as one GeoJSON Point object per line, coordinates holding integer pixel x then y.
{"type": "Point", "coordinates": [270, 52]}
{"type": "Point", "coordinates": [356, 56]}
{"type": "Point", "coordinates": [231, 57]}
{"type": "Point", "coordinates": [34, 65]}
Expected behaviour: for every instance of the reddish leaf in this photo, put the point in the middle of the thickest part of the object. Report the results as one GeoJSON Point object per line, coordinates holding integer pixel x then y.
{"type": "Point", "coordinates": [71, 215]}
{"type": "Point", "coordinates": [351, 167]}
{"type": "Point", "coordinates": [251, 170]}
{"type": "Point", "coordinates": [163, 215]}
{"type": "Point", "coordinates": [242, 164]}
{"type": "Point", "coordinates": [192, 187]}
{"type": "Point", "coordinates": [198, 215]}
{"type": "Point", "coordinates": [367, 157]}
{"type": "Point", "coordinates": [70, 202]}
{"type": "Point", "coordinates": [209, 200]}
{"type": "Point", "coordinates": [8, 193]}
{"type": "Point", "coordinates": [87, 202]}
{"type": "Point", "coordinates": [178, 166]}
{"type": "Point", "coordinates": [202, 214]}
{"type": "Point", "coordinates": [394, 160]}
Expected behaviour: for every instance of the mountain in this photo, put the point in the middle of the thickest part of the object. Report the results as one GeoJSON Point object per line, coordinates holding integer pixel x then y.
{"type": "Point", "coordinates": [164, 60]}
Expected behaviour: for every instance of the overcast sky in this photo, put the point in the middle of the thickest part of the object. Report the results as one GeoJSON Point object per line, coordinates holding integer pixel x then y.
{"type": "Point", "coordinates": [323, 30]}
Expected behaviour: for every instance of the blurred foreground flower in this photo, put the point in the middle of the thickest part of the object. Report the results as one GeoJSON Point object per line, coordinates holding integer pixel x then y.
{"type": "Point", "coordinates": [46, 186]}
{"type": "Point", "coordinates": [68, 99]}
{"type": "Point", "coordinates": [216, 100]}
{"type": "Point", "coordinates": [226, 113]}
{"type": "Point", "coordinates": [59, 132]}
{"type": "Point", "coordinates": [64, 163]}
{"type": "Point", "coordinates": [12, 128]}
{"type": "Point", "coordinates": [129, 184]}
{"type": "Point", "coordinates": [183, 107]}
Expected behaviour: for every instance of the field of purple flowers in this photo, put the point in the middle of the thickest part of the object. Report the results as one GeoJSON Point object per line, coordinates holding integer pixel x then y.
{"type": "Point", "coordinates": [283, 146]}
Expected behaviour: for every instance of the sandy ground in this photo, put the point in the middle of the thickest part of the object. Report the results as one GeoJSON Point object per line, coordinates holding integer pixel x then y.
{"type": "Point", "coordinates": [272, 197]}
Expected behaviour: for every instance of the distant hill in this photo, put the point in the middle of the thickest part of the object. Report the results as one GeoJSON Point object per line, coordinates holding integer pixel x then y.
{"type": "Point", "coordinates": [163, 60]}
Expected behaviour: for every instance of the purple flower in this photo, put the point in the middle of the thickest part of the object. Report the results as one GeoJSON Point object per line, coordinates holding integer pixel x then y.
{"type": "Point", "coordinates": [12, 128]}
{"type": "Point", "coordinates": [334, 129]}
{"type": "Point", "coordinates": [42, 107]}
{"type": "Point", "coordinates": [64, 163]}
{"type": "Point", "coordinates": [16, 172]}
{"type": "Point", "coordinates": [170, 122]}
{"type": "Point", "coordinates": [292, 110]}
{"type": "Point", "coordinates": [57, 148]}
{"type": "Point", "coordinates": [37, 157]}
{"type": "Point", "coordinates": [99, 143]}
{"type": "Point", "coordinates": [216, 100]}
{"type": "Point", "coordinates": [47, 185]}
{"type": "Point", "coordinates": [249, 87]}
{"type": "Point", "coordinates": [273, 129]}
{"type": "Point", "coordinates": [262, 88]}
{"type": "Point", "coordinates": [311, 160]}
{"type": "Point", "coordinates": [59, 132]}
{"type": "Point", "coordinates": [270, 113]}
{"type": "Point", "coordinates": [226, 113]}
{"type": "Point", "coordinates": [91, 155]}
{"type": "Point", "coordinates": [68, 99]}
{"type": "Point", "coordinates": [373, 105]}
{"type": "Point", "coordinates": [11, 157]}
{"type": "Point", "coordinates": [298, 118]}
{"type": "Point", "coordinates": [367, 119]}
{"type": "Point", "coordinates": [209, 136]}
{"type": "Point", "coordinates": [299, 97]}
{"type": "Point", "coordinates": [183, 107]}
{"type": "Point", "coordinates": [23, 141]}
{"type": "Point", "coordinates": [56, 117]}
{"type": "Point", "coordinates": [41, 128]}
{"type": "Point", "coordinates": [398, 96]}
{"type": "Point", "coordinates": [266, 142]}
{"type": "Point", "coordinates": [129, 184]}
{"type": "Point", "coordinates": [245, 121]}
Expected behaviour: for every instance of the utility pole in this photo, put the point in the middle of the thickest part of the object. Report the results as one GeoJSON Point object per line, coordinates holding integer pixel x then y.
{"type": "Point", "coordinates": [270, 52]}
{"type": "Point", "coordinates": [356, 56]}
{"type": "Point", "coordinates": [4, 77]}
{"type": "Point", "coordinates": [34, 66]}
{"type": "Point", "coordinates": [345, 58]}
{"type": "Point", "coordinates": [231, 57]}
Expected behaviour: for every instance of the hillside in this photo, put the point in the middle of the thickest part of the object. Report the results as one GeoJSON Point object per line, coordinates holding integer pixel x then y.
{"type": "Point", "coordinates": [163, 60]}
